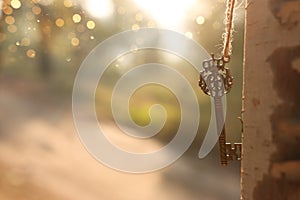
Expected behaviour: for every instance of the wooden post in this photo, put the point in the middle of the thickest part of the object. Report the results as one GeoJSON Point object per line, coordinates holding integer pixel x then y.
{"type": "Point", "coordinates": [271, 138]}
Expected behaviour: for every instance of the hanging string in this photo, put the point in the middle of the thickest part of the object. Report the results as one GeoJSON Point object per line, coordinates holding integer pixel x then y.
{"type": "Point", "coordinates": [227, 45]}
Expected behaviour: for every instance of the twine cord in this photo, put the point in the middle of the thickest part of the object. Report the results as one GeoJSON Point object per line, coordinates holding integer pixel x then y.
{"type": "Point", "coordinates": [227, 45]}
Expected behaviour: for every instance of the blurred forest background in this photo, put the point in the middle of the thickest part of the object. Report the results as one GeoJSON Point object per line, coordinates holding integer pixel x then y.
{"type": "Point", "coordinates": [42, 44]}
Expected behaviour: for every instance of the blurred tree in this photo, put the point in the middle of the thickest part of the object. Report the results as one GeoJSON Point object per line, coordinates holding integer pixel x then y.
{"type": "Point", "coordinates": [46, 30]}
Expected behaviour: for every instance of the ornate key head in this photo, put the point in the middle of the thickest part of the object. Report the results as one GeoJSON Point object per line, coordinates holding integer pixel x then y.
{"type": "Point", "coordinates": [215, 78]}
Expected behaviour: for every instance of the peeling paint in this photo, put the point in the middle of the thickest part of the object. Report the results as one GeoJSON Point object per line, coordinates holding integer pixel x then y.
{"type": "Point", "coordinates": [283, 180]}
{"type": "Point", "coordinates": [287, 12]}
{"type": "Point", "coordinates": [271, 97]}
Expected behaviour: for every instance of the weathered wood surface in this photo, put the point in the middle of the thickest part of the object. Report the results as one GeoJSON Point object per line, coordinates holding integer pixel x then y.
{"type": "Point", "coordinates": [271, 138]}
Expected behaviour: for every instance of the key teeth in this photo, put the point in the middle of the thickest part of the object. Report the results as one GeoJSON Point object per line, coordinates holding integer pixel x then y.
{"type": "Point", "coordinates": [234, 150]}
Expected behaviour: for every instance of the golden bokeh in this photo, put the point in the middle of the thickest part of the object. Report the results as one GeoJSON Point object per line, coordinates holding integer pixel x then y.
{"type": "Point", "coordinates": [200, 20]}
{"type": "Point", "coordinates": [121, 10]}
{"type": "Point", "coordinates": [139, 17]}
{"type": "Point", "coordinates": [135, 27]}
{"type": "Point", "coordinates": [92, 37]}
{"type": "Point", "coordinates": [151, 24]}
{"type": "Point", "coordinates": [76, 18]}
{"type": "Point", "coordinates": [189, 35]}
{"type": "Point", "coordinates": [15, 4]}
{"type": "Point", "coordinates": [29, 16]}
{"type": "Point", "coordinates": [2, 37]}
{"type": "Point", "coordinates": [36, 10]}
{"type": "Point", "coordinates": [80, 28]}
{"type": "Point", "coordinates": [12, 28]}
{"type": "Point", "coordinates": [9, 20]}
{"type": "Point", "coordinates": [12, 48]}
{"type": "Point", "coordinates": [75, 41]}
{"type": "Point", "coordinates": [7, 10]}
{"type": "Point", "coordinates": [31, 53]}
{"type": "Point", "coordinates": [60, 22]}
{"type": "Point", "coordinates": [71, 35]}
{"type": "Point", "coordinates": [68, 3]}
{"type": "Point", "coordinates": [47, 30]}
{"type": "Point", "coordinates": [90, 24]}
{"type": "Point", "coordinates": [25, 41]}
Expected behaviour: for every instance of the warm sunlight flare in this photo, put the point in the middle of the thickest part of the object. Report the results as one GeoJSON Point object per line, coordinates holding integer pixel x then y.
{"type": "Point", "coordinates": [44, 2]}
{"type": "Point", "coordinates": [167, 13]}
{"type": "Point", "coordinates": [100, 8]}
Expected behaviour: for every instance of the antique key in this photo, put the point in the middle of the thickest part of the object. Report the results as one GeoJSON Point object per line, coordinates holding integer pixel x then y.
{"type": "Point", "coordinates": [216, 81]}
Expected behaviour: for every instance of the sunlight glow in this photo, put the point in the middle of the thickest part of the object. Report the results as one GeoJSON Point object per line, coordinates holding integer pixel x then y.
{"type": "Point", "coordinates": [100, 8]}
{"type": "Point", "coordinates": [167, 13]}
{"type": "Point", "coordinates": [45, 2]}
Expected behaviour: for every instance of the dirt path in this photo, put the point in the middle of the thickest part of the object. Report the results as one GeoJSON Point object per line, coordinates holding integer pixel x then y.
{"type": "Point", "coordinates": [41, 157]}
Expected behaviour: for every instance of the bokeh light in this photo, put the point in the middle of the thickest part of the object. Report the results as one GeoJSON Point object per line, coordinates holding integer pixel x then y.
{"type": "Point", "coordinates": [121, 10]}
{"type": "Point", "coordinates": [36, 10]}
{"type": "Point", "coordinates": [68, 3]}
{"type": "Point", "coordinates": [76, 18]}
{"type": "Point", "coordinates": [139, 17]}
{"type": "Point", "coordinates": [2, 37]}
{"type": "Point", "coordinates": [90, 24]}
{"type": "Point", "coordinates": [12, 48]}
{"type": "Point", "coordinates": [7, 10]}
{"type": "Point", "coordinates": [200, 20]}
{"type": "Point", "coordinates": [71, 35]}
{"type": "Point", "coordinates": [99, 8]}
{"type": "Point", "coordinates": [25, 41]}
{"type": "Point", "coordinates": [75, 41]}
{"type": "Point", "coordinates": [9, 20]}
{"type": "Point", "coordinates": [167, 13]}
{"type": "Point", "coordinates": [47, 29]}
{"type": "Point", "coordinates": [12, 28]}
{"type": "Point", "coordinates": [15, 4]}
{"type": "Point", "coordinates": [29, 16]}
{"type": "Point", "coordinates": [151, 24]}
{"type": "Point", "coordinates": [45, 2]}
{"type": "Point", "coordinates": [30, 53]}
{"type": "Point", "coordinates": [135, 27]}
{"type": "Point", "coordinates": [80, 28]}
{"type": "Point", "coordinates": [189, 35]}
{"type": "Point", "coordinates": [59, 22]}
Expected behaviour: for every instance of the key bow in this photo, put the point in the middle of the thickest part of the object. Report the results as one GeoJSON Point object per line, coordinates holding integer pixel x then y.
{"type": "Point", "coordinates": [215, 79]}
